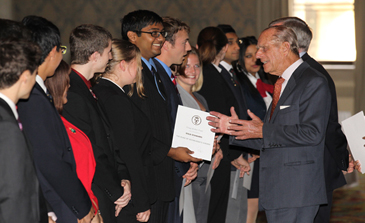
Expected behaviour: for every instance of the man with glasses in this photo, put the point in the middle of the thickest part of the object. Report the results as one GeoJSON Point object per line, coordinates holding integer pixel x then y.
{"type": "Point", "coordinates": [145, 29]}
{"type": "Point", "coordinates": [52, 152]}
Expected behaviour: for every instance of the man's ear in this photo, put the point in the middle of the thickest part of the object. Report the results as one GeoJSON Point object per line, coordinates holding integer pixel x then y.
{"type": "Point", "coordinates": [167, 45]}
{"type": "Point", "coordinates": [285, 47]}
{"type": "Point", "coordinates": [52, 53]}
{"type": "Point", "coordinates": [196, 46]}
{"type": "Point", "coordinates": [94, 57]}
{"type": "Point", "coordinates": [132, 36]}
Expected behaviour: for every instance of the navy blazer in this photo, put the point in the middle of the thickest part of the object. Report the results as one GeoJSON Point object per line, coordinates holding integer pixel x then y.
{"type": "Point", "coordinates": [53, 157]}
{"type": "Point", "coordinates": [19, 184]}
{"type": "Point", "coordinates": [82, 111]}
{"type": "Point", "coordinates": [156, 110]}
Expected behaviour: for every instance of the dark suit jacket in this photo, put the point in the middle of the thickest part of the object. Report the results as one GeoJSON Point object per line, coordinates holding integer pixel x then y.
{"type": "Point", "coordinates": [292, 148]}
{"type": "Point", "coordinates": [173, 100]}
{"type": "Point", "coordinates": [82, 111]}
{"type": "Point", "coordinates": [336, 155]}
{"type": "Point", "coordinates": [19, 184]}
{"type": "Point", "coordinates": [133, 138]}
{"type": "Point", "coordinates": [155, 108]}
{"type": "Point", "coordinates": [53, 157]}
{"type": "Point", "coordinates": [221, 95]}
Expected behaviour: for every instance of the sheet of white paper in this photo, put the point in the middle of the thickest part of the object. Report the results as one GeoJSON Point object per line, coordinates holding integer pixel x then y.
{"type": "Point", "coordinates": [354, 129]}
{"type": "Point", "coordinates": [192, 131]}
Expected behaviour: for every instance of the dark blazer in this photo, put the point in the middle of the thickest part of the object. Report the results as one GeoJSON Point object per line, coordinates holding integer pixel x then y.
{"type": "Point", "coordinates": [336, 156]}
{"type": "Point", "coordinates": [82, 111]}
{"type": "Point", "coordinates": [53, 157]}
{"type": "Point", "coordinates": [133, 138]}
{"type": "Point", "coordinates": [19, 184]}
{"type": "Point", "coordinates": [173, 100]}
{"type": "Point", "coordinates": [155, 108]}
{"type": "Point", "coordinates": [292, 148]}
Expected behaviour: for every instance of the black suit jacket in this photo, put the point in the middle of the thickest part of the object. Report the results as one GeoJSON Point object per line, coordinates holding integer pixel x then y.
{"type": "Point", "coordinates": [19, 184]}
{"type": "Point", "coordinates": [130, 128]}
{"type": "Point", "coordinates": [336, 156]}
{"type": "Point", "coordinates": [83, 112]}
{"type": "Point", "coordinates": [155, 108]}
{"type": "Point", "coordinates": [53, 157]}
{"type": "Point", "coordinates": [173, 100]}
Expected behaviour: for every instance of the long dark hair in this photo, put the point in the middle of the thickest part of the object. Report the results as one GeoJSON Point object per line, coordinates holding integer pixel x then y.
{"type": "Point", "coordinates": [57, 84]}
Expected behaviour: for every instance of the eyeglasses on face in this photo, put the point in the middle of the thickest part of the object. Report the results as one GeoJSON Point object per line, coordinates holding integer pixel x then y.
{"type": "Point", "coordinates": [154, 33]}
{"type": "Point", "coordinates": [63, 49]}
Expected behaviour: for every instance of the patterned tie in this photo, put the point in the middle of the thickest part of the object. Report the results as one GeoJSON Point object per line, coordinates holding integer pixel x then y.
{"type": "Point", "coordinates": [153, 71]}
{"type": "Point", "coordinates": [276, 95]}
{"type": "Point", "coordinates": [234, 77]}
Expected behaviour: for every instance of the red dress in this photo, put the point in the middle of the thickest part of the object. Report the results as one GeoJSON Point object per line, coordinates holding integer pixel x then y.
{"type": "Point", "coordinates": [84, 158]}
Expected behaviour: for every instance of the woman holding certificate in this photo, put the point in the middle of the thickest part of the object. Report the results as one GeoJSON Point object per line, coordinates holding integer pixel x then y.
{"type": "Point", "coordinates": [130, 127]}
{"type": "Point", "coordinates": [189, 82]}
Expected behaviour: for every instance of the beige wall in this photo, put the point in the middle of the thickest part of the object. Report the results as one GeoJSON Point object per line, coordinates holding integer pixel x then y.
{"type": "Point", "coordinates": [67, 14]}
{"type": "Point", "coordinates": [243, 15]}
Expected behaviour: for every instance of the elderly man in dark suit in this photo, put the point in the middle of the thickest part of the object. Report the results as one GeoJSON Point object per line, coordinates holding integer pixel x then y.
{"type": "Point", "coordinates": [19, 184]}
{"type": "Point", "coordinates": [292, 136]}
{"type": "Point", "coordinates": [336, 156]}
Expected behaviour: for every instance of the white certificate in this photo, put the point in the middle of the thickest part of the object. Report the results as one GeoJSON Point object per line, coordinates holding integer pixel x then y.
{"type": "Point", "coordinates": [354, 129]}
{"type": "Point", "coordinates": [192, 131]}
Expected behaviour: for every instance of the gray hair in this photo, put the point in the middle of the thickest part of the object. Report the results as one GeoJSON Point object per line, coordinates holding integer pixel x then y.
{"type": "Point", "coordinates": [284, 34]}
{"type": "Point", "coordinates": [300, 27]}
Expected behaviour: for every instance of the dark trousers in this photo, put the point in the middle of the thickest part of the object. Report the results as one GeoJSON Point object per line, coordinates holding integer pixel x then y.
{"type": "Point", "coordinates": [292, 215]}
{"type": "Point", "coordinates": [324, 212]}
{"type": "Point", "coordinates": [159, 212]}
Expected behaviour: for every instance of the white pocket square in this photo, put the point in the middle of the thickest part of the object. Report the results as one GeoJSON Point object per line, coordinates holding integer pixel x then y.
{"type": "Point", "coordinates": [284, 107]}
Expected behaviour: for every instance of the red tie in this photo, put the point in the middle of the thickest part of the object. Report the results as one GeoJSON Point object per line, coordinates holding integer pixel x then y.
{"type": "Point", "coordinates": [173, 80]}
{"type": "Point", "coordinates": [276, 95]}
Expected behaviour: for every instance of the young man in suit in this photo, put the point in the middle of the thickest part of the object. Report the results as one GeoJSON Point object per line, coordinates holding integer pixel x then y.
{"type": "Point", "coordinates": [145, 29]}
{"type": "Point", "coordinates": [336, 156]}
{"type": "Point", "coordinates": [52, 152]}
{"type": "Point", "coordinates": [19, 201]}
{"type": "Point", "coordinates": [291, 138]}
{"type": "Point", "coordinates": [173, 51]}
{"type": "Point", "coordinates": [237, 205]}
{"type": "Point", "coordinates": [90, 47]}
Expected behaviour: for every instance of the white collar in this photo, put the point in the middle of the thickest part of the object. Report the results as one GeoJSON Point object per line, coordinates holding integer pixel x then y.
{"type": "Point", "coordinates": [226, 65]}
{"type": "Point", "coordinates": [218, 68]}
{"type": "Point", "coordinates": [40, 81]}
{"type": "Point", "coordinates": [11, 104]}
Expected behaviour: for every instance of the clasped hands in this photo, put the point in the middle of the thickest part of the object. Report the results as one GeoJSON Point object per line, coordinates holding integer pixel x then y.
{"type": "Point", "coordinates": [232, 125]}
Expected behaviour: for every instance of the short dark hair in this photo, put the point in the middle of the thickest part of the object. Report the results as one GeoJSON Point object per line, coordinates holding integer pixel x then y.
{"type": "Point", "coordinates": [58, 83]}
{"type": "Point", "coordinates": [17, 56]}
{"type": "Point", "coordinates": [172, 26]}
{"type": "Point", "coordinates": [44, 33]}
{"type": "Point", "coordinates": [87, 39]}
{"type": "Point", "coordinates": [137, 20]}
{"type": "Point", "coordinates": [13, 29]}
{"type": "Point", "coordinates": [211, 41]}
{"type": "Point", "coordinates": [226, 28]}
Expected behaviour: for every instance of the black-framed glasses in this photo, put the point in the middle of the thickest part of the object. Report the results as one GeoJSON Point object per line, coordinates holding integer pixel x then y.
{"type": "Point", "coordinates": [154, 33]}
{"type": "Point", "coordinates": [63, 49]}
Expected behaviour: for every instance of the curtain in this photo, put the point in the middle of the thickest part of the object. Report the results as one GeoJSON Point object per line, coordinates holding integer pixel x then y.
{"type": "Point", "coordinates": [268, 10]}
{"type": "Point", "coordinates": [359, 8]}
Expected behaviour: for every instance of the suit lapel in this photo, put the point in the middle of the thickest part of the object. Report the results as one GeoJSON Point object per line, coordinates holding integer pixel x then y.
{"type": "Point", "coordinates": [289, 88]}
